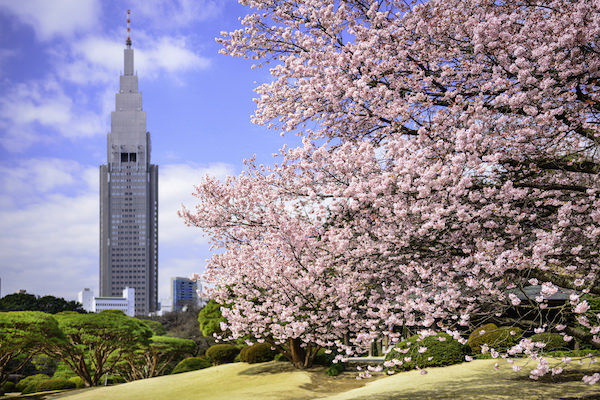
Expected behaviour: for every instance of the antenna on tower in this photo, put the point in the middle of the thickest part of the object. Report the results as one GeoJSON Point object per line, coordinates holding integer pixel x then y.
{"type": "Point", "coordinates": [128, 42]}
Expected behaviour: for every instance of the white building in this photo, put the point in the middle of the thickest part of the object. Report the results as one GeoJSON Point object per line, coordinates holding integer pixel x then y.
{"type": "Point", "coordinates": [86, 299]}
{"type": "Point", "coordinates": [97, 304]}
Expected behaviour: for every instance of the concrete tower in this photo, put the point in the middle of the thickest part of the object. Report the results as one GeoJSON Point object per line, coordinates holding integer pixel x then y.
{"type": "Point", "coordinates": [129, 199]}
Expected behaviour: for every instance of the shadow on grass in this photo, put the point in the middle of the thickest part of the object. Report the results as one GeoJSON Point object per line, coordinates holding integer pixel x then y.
{"type": "Point", "coordinates": [273, 367]}
{"type": "Point", "coordinates": [566, 386]}
{"type": "Point", "coordinates": [320, 383]}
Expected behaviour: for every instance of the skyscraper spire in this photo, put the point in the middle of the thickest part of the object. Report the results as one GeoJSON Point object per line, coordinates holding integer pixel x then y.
{"type": "Point", "coordinates": [129, 199]}
{"type": "Point", "coordinates": [128, 68]}
{"type": "Point", "coordinates": [128, 41]}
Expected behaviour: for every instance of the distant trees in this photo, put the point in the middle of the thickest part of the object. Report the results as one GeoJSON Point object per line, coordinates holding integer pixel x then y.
{"type": "Point", "coordinates": [94, 343]}
{"type": "Point", "coordinates": [153, 358]}
{"type": "Point", "coordinates": [210, 318]}
{"type": "Point", "coordinates": [30, 302]}
{"type": "Point", "coordinates": [24, 334]}
{"type": "Point", "coordinates": [91, 346]}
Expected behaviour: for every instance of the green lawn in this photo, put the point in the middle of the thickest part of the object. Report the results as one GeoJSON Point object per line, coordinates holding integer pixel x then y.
{"type": "Point", "coordinates": [475, 380]}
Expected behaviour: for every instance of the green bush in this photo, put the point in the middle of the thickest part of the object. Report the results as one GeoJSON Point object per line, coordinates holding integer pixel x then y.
{"type": "Point", "coordinates": [335, 369]}
{"type": "Point", "coordinates": [210, 318]}
{"type": "Point", "coordinates": [157, 328]}
{"type": "Point", "coordinates": [31, 388]}
{"type": "Point", "coordinates": [499, 338]}
{"type": "Point", "coordinates": [222, 353]}
{"type": "Point", "coordinates": [553, 340]}
{"type": "Point", "coordinates": [573, 353]}
{"type": "Point", "coordinates": [9, 387]}
{"type": "Point", "coordinates": [323, 358]}
{"type": "Point", "coordinates": [191, 364]}
{"type": "Point", "coordinates": [44, 364]}
{"type": "Point", "coordinates": [28, 381]}
{"type": "Point", "coordinates": [79, 383]}
{"type": "Point", "coordinates": [442, 350]}
{"type": "Point", "coordinates": [257, 353]}
{"type": "Point", "coordinates": [111, 379]}
{"type": "Point", "coordinates": [280, 357]}
{"type": "Point", "coordinates": [63, 371]}
{"type": "Point", "coordinates": [55, 384]}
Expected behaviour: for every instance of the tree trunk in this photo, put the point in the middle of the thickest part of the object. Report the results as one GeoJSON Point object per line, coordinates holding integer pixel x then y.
{"type": "Point", "coordinates": [297, 353]}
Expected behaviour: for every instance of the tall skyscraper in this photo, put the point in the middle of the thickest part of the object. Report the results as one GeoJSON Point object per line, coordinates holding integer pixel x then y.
{"type": "Point", "coordinates": [129, 199]}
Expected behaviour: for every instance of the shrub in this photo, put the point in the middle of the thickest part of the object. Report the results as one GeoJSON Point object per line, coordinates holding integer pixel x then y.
{"type": "Point", "coordinates": [573, 353]}
{"type": "Point", "coordinates": [191, 364]}
{"type": "Point", "coordinates": [44, 364]}
{"type": "Point", "coordinates": [31, 388]}
{"type": "Point", "coordinates": [9, 387]}
{"type": "Point", "coordinates": [157, 328]}
{"type": "Point", "coordinates": [323, 358]}
{"type": "Point", "coordinates": [553, 340]}
{"type": "Point", "coordinates": [111, 379]}
{"type": "Point", "coordinates": [335, 369]}
{"type": "Point", "coordinates": [239, 356]}
{"type": "Point", "coordinates": [499, 338]}
{"type": "Point", "coordinates": [79, 383]}
{"type": "Point", "coordinates": [63, 371]}
{"type": "Point", "coordinates": [55, 384]}
{"type": "Point", "coordinates": [257, 353]}
{"type": "Point", "coordinates": [441, 350]}
{"type": "Point", "coordinates": [222, 353]}
{"type": "Point", "coordinates": [28, 381]}
{"type": "Point", "coordinates": [280, 357]}
{"type": "Point", "coordinates": [210, 318]}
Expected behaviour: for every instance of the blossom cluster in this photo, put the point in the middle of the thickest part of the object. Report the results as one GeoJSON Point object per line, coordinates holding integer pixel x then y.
{"type": "Point", "coordinates": [449, 161]}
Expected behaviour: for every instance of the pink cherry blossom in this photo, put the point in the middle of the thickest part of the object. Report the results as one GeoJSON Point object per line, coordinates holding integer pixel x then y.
{"type": "Point", "coordinates": [449, 162]}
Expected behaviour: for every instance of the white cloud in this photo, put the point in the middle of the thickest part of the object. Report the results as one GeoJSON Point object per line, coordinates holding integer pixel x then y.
{"type": "Point", "coordinates": [28, 179]}
{"type": "Point", "coordinates": [177, 13]}
{"type": "Point", "coordinates": [176, 184]}
{"type": "Point", "coordinates": [50, 18]}
{"type": "Point", "coordinates": [170, 54]}
{"type": "Point", "coordinates": [89, 61]}
{"type": "Point", "coordinates": [183, 249]}
{"type": "Point", "coordinates": [25, 107]}
{"type": "Point", "coordinates": [48, 237]}
{"type": "Point", "coordinates": [99, 60]}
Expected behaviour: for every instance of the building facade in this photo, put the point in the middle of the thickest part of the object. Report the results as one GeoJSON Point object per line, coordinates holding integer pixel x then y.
{"type": "Point", "coordinates": [184, 293]}
{"type": "Point", "coordinates": [129, 200]}
{"type": "Point", "coordinates": [126, 303]}
{"type": "Point", "coordinates": [86, 299]}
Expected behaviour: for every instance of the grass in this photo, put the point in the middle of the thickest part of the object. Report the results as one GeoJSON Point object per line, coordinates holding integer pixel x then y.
{"type": "Point", "coordinates": [478, 379]}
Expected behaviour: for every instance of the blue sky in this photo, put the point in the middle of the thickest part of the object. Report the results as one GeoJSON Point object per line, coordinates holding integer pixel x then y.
{"type": "Point", "coordinates": [60, 63]}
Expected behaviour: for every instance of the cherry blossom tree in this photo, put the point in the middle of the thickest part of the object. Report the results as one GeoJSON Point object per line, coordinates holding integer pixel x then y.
{"type": "Point", "coordinates": [450, 160]}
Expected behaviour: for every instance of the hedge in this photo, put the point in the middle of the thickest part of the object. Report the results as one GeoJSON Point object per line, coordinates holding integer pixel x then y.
{"type": "Point", "coordinates": [499, 338]}
{"type": "Point", "coordinates": [55, 384]}
{"type": "Point", "coordinates": [335, 369]}
{"type": "Point", "coordinates": [324, 358]}
{"type": "Point", "coordinates": [553, 340]}
{"type": "Point", "coordinates": [79, 383]}
{"type": "Point", "coordinates": [222, 353]}
{"type": "Point", "coordinates": [9, 387]}
{"type": "Point", "coordinates": [441, 350]}
{"type": "Point", "coordinates": [191, 364]}
{"type": "Point", "coordinates": [30, 380]}
{"type": "Point", "coordinates": [257, 353]}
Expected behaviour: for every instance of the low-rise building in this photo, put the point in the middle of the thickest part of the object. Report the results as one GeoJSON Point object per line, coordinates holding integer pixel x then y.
{"type": "Point", "coordinates": [96, 304]}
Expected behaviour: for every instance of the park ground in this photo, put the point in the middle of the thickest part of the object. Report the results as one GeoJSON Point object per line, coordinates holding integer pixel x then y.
{"type": "Point", "coordinates": [480, 379]}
